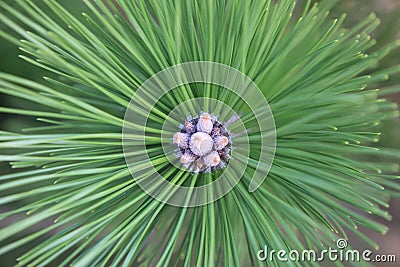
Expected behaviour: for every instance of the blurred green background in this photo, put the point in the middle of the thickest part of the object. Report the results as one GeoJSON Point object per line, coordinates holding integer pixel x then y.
{"type": "Point", "coordinates": [387, 10]}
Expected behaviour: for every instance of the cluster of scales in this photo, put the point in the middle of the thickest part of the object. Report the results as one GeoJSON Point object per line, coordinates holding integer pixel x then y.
{"type": "Point", "coordinates": [204, 144]}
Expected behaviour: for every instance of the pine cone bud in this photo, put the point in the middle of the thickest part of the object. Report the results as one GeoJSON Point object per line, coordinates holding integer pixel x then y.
{"type": "Point", "coordinates": [181, 140]}
{"type": "Point", "coordinates": [205, 123]}
{"type": "Point", "coordinates": [212, 159]}
{"type": "Point", "coordinates": [188, 157]}
{"type": "Point", "coordinates": [220, 142]}
{"type": "Point", "coordinates": [201, 143]}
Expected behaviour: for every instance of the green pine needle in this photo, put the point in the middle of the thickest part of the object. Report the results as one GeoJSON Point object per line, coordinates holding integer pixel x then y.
{"type": "Point", "coordinates": [318, 77]}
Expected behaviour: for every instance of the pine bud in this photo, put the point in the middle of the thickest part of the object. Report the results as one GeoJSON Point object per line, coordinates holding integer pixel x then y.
{"type": "Point", "coordinates": [220, 142]}
{"type": "Point", "coordinates": [181, 140]}
{"type": "Point", "coordinates": [201, 143]}
{"type": "Point", "coordinates": [212, 159]}
{"type": "Point", "coordinates": [205, 123]}
{"type": "Point", "coordinates": [188, 157]}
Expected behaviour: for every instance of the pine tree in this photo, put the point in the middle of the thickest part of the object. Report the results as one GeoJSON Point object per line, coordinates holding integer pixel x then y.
{"type": "Point", "coordinates": [320, 82]}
